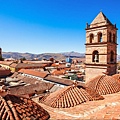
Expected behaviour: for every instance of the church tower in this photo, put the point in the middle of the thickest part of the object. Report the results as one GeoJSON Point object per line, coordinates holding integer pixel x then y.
{"type": "Point", "coordinates": [0, 53]}
{"type": "Point", "coordinates": [101, 47]}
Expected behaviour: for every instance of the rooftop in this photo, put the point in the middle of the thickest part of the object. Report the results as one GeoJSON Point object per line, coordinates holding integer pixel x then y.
{"type": "Point", "coordinates": [104, 84]}
{"type": "Point", "coordinates": [17, 108]}
{"type": "Point", "coordinates": [101, 18]}
{"type": "Point", "coordinates": [69, 96]}
{"type": "Point", "coordinates": [33, 72]}
{"type": "Point", "coordinates": [102, 109]}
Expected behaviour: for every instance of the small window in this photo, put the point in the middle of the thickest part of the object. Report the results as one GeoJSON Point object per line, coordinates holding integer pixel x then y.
{"type": "Point", "coordinates": [99, 37]}
{"type": "Point", "coordinates": [91, 38]}
{"type": "Point", "coordinates": [95, 56]}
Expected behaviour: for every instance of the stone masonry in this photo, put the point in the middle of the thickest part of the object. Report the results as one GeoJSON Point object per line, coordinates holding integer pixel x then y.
{"type": "Point", "coordinates": [101, 47]}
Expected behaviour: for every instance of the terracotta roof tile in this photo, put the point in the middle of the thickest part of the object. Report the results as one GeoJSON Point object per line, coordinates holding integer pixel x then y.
{"type": "Point", "coordinates": [14, 75]}
{"type": "Point", "coordinates": [62, 80]}
{"type": "Point", "coordinates": [116, 77]}
{"type": "Point", "coordinates": [6, 62]}
{"type": "Point", "coordinates": [4, 72]}
{"type": "Point", "coordinates": [30, 65]}
{"type": "Point", "coordinates": [59, 72]}
{"type": "Point", "coordinates": [13, 65]}
{"type": "Point", "coordinates": [17, 108]}
{"type": "Point", "coordinates": [30, 80]}
{"type": "Point", "coordinates": [30, 89]}
{"type": "Point", "coordinates": [94, 94]}
{"type": "Point", "coordinates": [103, 85]}
{"type": "Point", "coordinates": [54, 65]}
{"type": "Point", "coordinates": [33, 72]}
{"type": "Point", "coordinates": [69, 96]}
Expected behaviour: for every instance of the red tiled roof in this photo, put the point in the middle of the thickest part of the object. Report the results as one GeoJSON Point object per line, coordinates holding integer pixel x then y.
{"type": "Point", "coordinates": [103, 85]}
{"type": "Point", "coordinates": [4, 72]}
{"type": "Point", "coordinates": [116, 77]}
{"type": "Point", "coordinates": [38, 62]}
{"type": "Point", "coordinates": [59, 72]}
{"type": "Point", "coordinates": [69, 96]}
{"type": "Point", "coordinates": [31, 65]}
{"type": "Point", "coordinates": [14, 75]}
{"type": "Point", "coordinates": [62, 81]}
{"type": "Point", "coordinates": [33, 72]}
{"type": "Point", "coordinates": [6, 62]}
{"type": "Point", "coordinates": [107, 109]}
{"type": "Point", "coordinates": [30, 80]}
{"type": "Point", "coordinates": [54, 65]}
{"type": "Point", "coordinates": [13, 65]}
{"type": "Point", "coordinates": [18, 108]}
{"type": "Point", "coordinates": [94, 94]}
{"type": "Point", "coordinates": [30, 89]}
{"type": "Point", "coordinates": [58, 65]}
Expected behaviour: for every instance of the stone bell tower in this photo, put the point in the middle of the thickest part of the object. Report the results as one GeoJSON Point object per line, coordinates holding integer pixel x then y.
{"type": "Point", "coordinates": [101, 47]}
{"type": "Point", "coordinates": [0, 53]}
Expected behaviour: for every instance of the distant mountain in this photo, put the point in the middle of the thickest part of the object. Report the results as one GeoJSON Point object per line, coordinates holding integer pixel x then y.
{"type": "Point", "coordinates": [17, 55]}
{"type": "Point", "coordinates": [30, 56]}
{"type": "Point", "coordinates": [73, 54]}
{"type": "Point", "coordinates": [57, 56]}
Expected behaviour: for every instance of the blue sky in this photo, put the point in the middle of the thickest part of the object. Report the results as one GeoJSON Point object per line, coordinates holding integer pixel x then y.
{"type": "Point", "coordinates": [46, 26]}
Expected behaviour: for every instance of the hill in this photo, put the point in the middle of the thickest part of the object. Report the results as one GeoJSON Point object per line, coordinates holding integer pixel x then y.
{"type": "Point", "coordinates": [57, 56]}
{"type": "Point", "coordinates": [30, 56]}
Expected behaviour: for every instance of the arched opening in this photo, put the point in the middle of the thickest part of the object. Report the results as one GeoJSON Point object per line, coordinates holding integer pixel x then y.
{"type": "Point", "coordinates": [99, 37]}
{"type": "Point", "coordinates": [111, 56]}
{"type": "Point", "coordinates": [91, 38]}
{"type": "Point", "coordinates": [95, 56]}
{"type": "Point", "coordinates": [110, 37]}
{"type": "Point", "coordinates": [114, 38]}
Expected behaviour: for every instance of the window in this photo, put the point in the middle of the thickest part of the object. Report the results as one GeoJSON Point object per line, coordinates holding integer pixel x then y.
{"type": "Point", "coordinates": [111, 56]}
{"type": "Point", "coordinates": [99, 37]}
{"type": "Point", "coordinates": [91, 38]}
{"type": "Point", "coordinates": [95, 56]}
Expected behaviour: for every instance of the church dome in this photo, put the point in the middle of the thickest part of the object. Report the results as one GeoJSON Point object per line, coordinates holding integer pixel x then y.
{"type": "Point", "coordinates": [103, 85]}
{"type": "Point", "coordinates": [19, 108]}
{"type": "Point", "coordinates": [69, 96]}
{"type": "Point", "coordinates": [116, 77]}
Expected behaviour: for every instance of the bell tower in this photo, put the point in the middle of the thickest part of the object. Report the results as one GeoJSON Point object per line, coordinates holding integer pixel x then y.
{"type": "Point", "coordinates": [0, 53]}
{"type": "Point", "coordinates": [101, 47]}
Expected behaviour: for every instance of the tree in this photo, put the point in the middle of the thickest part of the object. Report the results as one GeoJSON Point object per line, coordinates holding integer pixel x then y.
{"type": "Point", "coordinates": [23, 58]}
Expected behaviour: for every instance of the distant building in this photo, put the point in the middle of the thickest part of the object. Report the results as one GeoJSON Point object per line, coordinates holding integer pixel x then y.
{"type": "Point", "coordinates": [101, 47]}
{"type": "Point", "coordinates": [14, 66]}
{"type": "Point", "coordinates": [68, 60]}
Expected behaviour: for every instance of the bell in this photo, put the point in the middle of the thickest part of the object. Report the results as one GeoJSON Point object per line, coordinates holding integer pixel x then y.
{"type": "Point", "coordinates": [96, 58]}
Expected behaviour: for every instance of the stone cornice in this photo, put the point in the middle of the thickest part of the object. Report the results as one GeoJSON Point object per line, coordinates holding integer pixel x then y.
{"type": "Point", "coordinates": [100, 26]}
{"type": "Point", "coordinates": [100, 54]}
{"type": "Point", "coordinates": [98, 43]}
{"type": "Point", "coordinates": [93, 64]}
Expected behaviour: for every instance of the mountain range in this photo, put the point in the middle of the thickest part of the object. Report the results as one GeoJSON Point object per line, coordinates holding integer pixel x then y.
{"type": "Point", "coordinates": [30, 56]}
{"type": "Point", "coordinates": [57, 56]}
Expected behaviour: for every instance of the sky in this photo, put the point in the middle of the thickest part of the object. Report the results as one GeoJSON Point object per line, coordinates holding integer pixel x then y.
{"type": "Point", "coordinates": [51, 26]}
